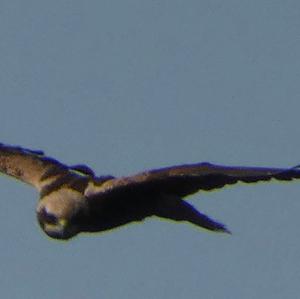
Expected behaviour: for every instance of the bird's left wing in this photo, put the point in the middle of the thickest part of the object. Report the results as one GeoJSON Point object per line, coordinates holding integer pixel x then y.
{"type": "Point", "coordinates": [183, 180]}
{"type": "Point", "coordinates": [29, 166]}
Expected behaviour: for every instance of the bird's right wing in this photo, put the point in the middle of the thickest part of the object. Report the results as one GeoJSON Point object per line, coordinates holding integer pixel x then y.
{"type": "Point", "coordinates": [29, 166]}
{"type": "Point", "coordinates": [183, 180]}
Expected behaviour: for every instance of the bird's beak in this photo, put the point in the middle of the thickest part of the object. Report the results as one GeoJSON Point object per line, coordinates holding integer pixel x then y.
{"type": "Point", "coordinates": [59, 230]}
{"type": "Point", "coordinates": [63, 222]}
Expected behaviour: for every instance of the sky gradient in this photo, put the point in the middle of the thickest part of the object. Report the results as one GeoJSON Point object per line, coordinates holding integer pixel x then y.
{"type": "Point", "coordinates": [124, 86]}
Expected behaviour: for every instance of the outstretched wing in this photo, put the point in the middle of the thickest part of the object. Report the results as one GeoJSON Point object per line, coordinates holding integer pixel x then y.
{"type": "Point", "coordinates": [29, 166]}
{"type": "Point", "coordinates": [184, 180]}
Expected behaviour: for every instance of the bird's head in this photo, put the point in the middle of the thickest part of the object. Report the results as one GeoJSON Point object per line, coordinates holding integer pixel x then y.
{"type": "Point", "coordinates": [60, 212]}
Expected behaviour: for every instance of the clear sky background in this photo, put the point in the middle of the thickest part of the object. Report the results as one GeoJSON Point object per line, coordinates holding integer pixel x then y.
{"type": "Point", "coordinates": [125, 86]}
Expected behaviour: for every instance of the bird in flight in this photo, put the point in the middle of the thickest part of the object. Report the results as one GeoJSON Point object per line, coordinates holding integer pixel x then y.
{"type": "Point", "coordinates": [74, 200]}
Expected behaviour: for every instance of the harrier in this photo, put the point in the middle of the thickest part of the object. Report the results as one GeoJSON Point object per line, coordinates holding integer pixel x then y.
{"type": "Point", "coordinates": [74, 200]}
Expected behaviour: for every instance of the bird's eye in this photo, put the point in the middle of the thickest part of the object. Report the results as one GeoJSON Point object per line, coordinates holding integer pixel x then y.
{"type": "Point", "coordinates": [48, 217]}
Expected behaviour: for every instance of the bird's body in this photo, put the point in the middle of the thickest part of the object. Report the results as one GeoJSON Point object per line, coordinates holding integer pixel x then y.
{"type": "Point", "coordinates": [73, 199]}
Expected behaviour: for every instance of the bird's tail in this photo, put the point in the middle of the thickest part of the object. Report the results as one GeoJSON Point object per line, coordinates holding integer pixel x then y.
{"type": "Point", "coordinates": [174, 208]}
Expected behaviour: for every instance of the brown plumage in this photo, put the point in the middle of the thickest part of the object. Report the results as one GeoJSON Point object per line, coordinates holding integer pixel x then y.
{"type": "Point", "coordinates": [74, 200]}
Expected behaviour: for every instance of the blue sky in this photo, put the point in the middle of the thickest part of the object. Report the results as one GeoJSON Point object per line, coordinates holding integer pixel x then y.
{"type": "Point", "coordinates": [125, 86]}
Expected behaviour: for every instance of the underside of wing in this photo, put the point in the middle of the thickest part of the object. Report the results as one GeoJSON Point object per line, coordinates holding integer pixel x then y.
{"type": "Point", "coordinates": [29, 166]}
{"type": "Point", "coordinates": [187, 179]}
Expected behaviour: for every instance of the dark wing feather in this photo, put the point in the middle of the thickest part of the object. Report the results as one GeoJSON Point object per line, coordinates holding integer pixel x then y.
{"type": "Point", "coordinates": [187, 179]}
{"type": "Point", "coordinates": [29, 166]}
{"type": "Point", "coordinates": [83, 169]}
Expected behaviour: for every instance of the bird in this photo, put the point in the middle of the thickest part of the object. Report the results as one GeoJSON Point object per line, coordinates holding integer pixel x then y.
{"type": "Point", "coordinates": [73, 200]}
